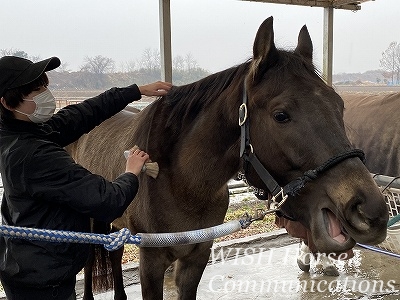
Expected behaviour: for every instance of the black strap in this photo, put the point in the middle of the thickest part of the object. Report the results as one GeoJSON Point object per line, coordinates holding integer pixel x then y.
{"type": "Point", "coordinates": [271, 184]}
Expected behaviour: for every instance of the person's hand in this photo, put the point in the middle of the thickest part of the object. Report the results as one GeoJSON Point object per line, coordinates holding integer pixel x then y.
{"type": "Point", "coordinates": [158, 88]}
{"type": "Point", "coordinates": [136, 160]}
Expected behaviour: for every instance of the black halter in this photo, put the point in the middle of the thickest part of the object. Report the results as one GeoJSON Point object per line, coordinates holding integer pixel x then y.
{"type": "Point", "coordinates": [293, 187]}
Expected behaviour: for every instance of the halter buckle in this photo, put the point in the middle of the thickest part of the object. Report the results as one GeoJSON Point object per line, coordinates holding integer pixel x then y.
{"type": "Point", "coordinates": [273, 204]}
{"type": "Point", "coordinates": [242, 114]}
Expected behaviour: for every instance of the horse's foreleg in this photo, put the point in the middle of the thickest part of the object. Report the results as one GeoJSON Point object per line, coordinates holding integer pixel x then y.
{"type": "Point", "coordinates": [116, 265]}
{"type": "Point", "coordinates": [189, 271]}
{"type": "Point", "coordinates": [153, 264]}
{"type": "Point", "coordinates": [88, 274]}
{"type": "Point", "coordinates": [328, 266]}
{"type": "Point", "coordinates": [304, 258]}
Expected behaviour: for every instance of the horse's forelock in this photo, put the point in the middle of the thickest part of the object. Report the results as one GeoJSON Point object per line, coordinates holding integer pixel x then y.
{"type": "Point", "coordinates": [287, 65]}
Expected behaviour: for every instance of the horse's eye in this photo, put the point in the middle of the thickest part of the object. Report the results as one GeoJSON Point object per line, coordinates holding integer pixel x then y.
{"type": "Point", "coordinates": [281, 117]}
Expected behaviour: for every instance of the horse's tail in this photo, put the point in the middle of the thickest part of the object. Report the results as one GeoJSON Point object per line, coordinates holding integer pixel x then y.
{"type": "Point", "coordinates": [102, 278]}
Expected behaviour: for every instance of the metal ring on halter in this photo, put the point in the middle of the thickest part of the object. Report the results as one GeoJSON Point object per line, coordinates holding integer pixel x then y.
{"type": "Point", "coordinates": [243, 107]}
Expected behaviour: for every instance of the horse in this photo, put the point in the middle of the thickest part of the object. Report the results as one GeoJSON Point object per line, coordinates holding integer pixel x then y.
{"type": "Point", "coordinates": [372, 124]}
{"type": "Point", "coordinates": [290, 134]}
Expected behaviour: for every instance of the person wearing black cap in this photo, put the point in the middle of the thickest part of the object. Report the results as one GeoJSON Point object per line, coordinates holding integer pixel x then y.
{"type": "Point", "coordinates": [44, 187]}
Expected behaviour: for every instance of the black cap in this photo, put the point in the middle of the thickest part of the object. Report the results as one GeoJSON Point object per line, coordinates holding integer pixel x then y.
{"type": "Point", "coordinates": [17, 71]}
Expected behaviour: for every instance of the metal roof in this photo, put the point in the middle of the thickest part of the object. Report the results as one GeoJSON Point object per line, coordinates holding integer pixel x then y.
{"type": "Point", "coordinates": [339, 4]}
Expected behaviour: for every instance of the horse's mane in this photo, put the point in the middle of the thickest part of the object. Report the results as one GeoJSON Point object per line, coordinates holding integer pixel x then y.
{"type": "Point", "coordinates": [183, 103]}
{"type": "Point", "coordinates": [188, 100]}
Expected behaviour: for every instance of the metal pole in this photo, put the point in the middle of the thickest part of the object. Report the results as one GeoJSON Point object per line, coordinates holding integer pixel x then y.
{"type": "Point", "coordinates": [165, 40]}
{"type": "Point", "coordinates": [328, 45]}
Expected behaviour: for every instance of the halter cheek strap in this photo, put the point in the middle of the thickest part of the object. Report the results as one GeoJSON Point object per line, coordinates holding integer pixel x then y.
{"type": "Point", "coordinates": [292, 188]}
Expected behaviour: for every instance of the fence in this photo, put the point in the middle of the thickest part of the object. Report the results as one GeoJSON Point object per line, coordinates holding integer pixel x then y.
{"type": "Point", "coordinates": [64, 101]}
{"type": "Point", "coordinates": [390, 187]}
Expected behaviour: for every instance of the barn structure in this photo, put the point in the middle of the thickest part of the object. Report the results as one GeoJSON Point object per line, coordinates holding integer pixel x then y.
{"type": "Point", "coordinates": [328, 5]}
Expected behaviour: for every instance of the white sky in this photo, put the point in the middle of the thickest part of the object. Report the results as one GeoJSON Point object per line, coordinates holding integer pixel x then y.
{"type": "Point", "coordinates": [217, 33]}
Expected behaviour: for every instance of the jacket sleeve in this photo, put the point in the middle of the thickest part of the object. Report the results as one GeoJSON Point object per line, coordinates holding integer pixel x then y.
{"type": "Point", "coordinates": [73, 121]}
{"type": "Point", "coordinates": [52, 176]}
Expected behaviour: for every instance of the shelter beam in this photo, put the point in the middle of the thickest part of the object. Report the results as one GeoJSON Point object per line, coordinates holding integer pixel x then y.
{"type": "Point", "coordinates": [340, 4]}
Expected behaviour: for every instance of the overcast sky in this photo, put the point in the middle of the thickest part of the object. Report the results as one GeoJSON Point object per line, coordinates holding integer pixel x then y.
{"type": "Point", "coordinates": [217, 33]}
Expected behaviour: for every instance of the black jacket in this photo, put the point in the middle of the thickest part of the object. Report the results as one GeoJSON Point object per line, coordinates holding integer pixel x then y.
{"type": "Point", "coordinates": [45, 188]}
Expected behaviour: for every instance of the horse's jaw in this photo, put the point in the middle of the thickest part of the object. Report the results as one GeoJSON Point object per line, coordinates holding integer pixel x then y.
{"type": "Point", "coordinates": [334, 231]}
{"type": "Point", "coordinates": [329, 234]}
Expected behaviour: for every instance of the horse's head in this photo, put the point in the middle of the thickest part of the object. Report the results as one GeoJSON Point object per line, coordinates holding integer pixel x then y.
{"type": "Point", "coordinates": [296, 124]}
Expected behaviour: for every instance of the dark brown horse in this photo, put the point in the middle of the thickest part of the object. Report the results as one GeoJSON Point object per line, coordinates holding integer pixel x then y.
{"type": "Point", "coordinates": [294, 122]}
{"type": "Point", "coordinates": [372, 124]}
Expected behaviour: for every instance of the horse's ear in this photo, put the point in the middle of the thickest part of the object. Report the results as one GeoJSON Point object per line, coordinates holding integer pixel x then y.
{"type": "Point", "coordinates": [304, 44]}
{"type": "Point", "coordinates": [264, 50]}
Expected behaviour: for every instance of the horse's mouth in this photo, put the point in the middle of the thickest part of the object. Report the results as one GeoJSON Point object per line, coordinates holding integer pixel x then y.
{"type": "Point", "coordinates": [334, 227]}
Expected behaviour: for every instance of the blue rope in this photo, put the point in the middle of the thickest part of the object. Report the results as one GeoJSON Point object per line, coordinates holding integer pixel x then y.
{"type": "Point", "coordinates": [379, 250]}
{"type": "Point", "coordinates": [111, 242]}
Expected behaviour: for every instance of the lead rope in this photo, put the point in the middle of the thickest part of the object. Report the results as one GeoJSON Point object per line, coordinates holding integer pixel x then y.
{"type": "Point", "coordinates": [116, 240]}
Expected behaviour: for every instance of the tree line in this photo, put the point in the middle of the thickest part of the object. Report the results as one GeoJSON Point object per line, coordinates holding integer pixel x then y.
{"type": "Point", "coordinates": [100, 72]}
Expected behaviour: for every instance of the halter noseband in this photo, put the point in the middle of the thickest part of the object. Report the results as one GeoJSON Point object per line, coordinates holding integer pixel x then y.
{"type": "Point", "coordinates": [293, 187]}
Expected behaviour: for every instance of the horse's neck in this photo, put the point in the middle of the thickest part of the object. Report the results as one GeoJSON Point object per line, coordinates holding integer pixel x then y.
{"type": "Point", "coordinates": [209, 153]}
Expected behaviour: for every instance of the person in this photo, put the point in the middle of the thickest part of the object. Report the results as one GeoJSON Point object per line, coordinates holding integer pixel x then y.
{"type": "Point", "coordinates": [44, 187]}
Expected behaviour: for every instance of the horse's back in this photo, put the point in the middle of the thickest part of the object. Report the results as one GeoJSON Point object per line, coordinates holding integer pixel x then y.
{"type": "Point", "coordinates": [372, 124]}
{"type": "Point", "coordinates": [105, 143]}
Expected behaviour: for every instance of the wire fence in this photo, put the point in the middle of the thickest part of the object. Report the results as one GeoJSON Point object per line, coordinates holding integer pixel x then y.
{"type": "Point", "coordinates": [390, 187]}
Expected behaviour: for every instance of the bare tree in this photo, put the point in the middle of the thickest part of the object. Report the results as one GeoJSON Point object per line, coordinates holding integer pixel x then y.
{"type": "Point", "coordinates": [95, 71]}
{"type": "Point", "coordinates": [98, 65]}
{"type": "Point", "coordinates": [19, 53]}
{"type": "Point", "coordinates": [178, 63]}
{"type": "Point", "coordinates": [151, 59]}
{"type": "Point", "coordinates": [128, 67]}
{"type": "Point", "coordinates": [390, 60]}
{"type": "Point", "coordinates": [14, 52]}
{"type": "Point", "coordinates": [191, 63]}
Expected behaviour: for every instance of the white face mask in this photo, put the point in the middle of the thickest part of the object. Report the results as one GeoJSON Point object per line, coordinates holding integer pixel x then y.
{"type": "Point", "coordinates": [45, 107]}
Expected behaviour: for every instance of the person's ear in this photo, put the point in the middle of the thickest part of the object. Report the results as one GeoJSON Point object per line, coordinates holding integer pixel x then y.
{"type": "Point", "coordinates": [4, 103]}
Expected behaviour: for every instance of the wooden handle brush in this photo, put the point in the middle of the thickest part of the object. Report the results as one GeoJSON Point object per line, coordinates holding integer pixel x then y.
{"type": "Point", "coordinates": [150, 168]}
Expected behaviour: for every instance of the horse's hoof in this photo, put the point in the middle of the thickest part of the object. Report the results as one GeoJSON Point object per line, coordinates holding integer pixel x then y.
{"type": "Point", "coordinates": [304, 263]}
{"type": "Point", "coordinates": [303, 260]}
{"type": "Point", "coordinates": [331, 271]}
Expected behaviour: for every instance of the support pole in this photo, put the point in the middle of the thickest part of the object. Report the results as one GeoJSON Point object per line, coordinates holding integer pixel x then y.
{"type": "Point", "coordinates": [165, 40]}
{"type": "Point", "coordinates": [328, 45]}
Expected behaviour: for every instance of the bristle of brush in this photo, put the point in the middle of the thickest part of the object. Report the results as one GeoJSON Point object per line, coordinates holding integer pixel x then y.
{"type": "Point", "coordinates": [151, 169]}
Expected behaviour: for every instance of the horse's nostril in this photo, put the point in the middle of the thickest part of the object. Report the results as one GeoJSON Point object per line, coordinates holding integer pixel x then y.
{"type": "Point", "coordinates": [356, 215]}
{"type": "Point", "coordinates": [362, 222]}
